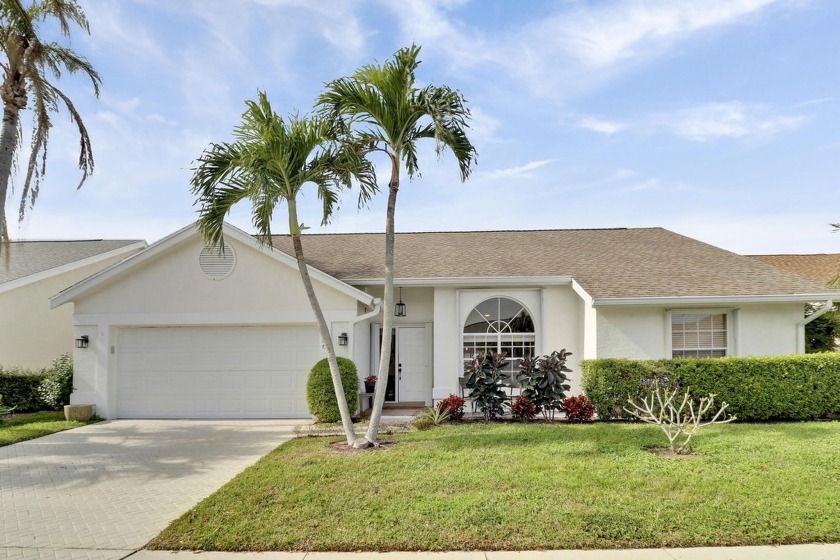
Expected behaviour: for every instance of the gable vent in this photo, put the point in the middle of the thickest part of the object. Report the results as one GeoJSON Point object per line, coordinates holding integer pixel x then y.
{"type": "Point", "coordinates": [217, 265]}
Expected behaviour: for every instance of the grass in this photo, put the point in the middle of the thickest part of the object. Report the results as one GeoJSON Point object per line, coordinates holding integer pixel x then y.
{"type": "Point", "coordinates": [22, 427]}
{"type": "Point", "coordinates": [522, 487]}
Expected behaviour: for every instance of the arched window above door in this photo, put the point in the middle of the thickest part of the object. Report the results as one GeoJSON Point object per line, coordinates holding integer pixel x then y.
{"type": "Point", "coordinates": [499, 324]}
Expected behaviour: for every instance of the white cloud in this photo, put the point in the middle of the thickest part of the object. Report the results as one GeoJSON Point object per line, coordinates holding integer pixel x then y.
{"type": "Point", "coordinates": [518, 171]}
{"type": "Point", "coordinates": [603, 126]}
{"type": "Point", "coordinates": [616, 32]}
{"type": "Point", "coordinates": [705, 123]}
{"type": "Point", "coordinates": [573, 49]}
{"type": "Point", "coordinates": [727, 120]}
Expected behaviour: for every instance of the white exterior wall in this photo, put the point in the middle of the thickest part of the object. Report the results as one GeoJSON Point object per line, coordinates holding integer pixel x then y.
{"type": "Point", "coordinates": [563, 326]}
{"type": "Point", "coordinates": [633, 332]}
{"type": "Point", "coordinates": [755, 329]}
{"type": "Point", "coordinates": [554, 309]}
{"type": "Point", "coordinates": [172, 290]}
{"type": "Point", "coordinates": [33, 335]}
{"type": "Point", "coordinates": [447, 353]}
{"type": "Point", "coordinates": [769, 330]}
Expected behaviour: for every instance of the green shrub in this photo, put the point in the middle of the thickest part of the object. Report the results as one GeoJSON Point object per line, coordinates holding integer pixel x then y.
{"type": "Point", "coordinates": [57, 384]}
{"type": "Point", "coordinates": [757, 388]}
{"type": "Point", "coordinates": [4, 411]}
{"type": "Point", "coordinates": [320, 393]}
{"type": "Point", "coordinates": [544, 382]}
{"type": "Point", "coordinates": [486, 382]}
{"type": "Point", "coordinates": [19, 388]}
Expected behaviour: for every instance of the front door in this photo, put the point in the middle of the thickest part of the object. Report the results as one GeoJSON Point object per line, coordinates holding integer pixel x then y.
{"type": "Point", "coordinates": [409, 368]}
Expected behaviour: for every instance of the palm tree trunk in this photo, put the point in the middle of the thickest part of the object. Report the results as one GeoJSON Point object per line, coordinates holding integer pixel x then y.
{"type": "Point", "coordinates": [387, 305]}
{"type": "Point", "coordinates": [8, 147]}
{"type": "Point", "coordinates": [326, 337]}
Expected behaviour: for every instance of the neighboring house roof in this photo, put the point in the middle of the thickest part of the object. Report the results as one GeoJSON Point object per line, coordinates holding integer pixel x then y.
{"type": "Point", "coordinates": [823, 268]}
{"type": "Point", "coordinates": [607, 263]}
{"type": "Point", "coordinates": [30, 261]}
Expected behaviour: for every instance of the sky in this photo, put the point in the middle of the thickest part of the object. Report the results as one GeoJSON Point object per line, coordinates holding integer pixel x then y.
{"type": "Point", "coordinates": [719, 120]}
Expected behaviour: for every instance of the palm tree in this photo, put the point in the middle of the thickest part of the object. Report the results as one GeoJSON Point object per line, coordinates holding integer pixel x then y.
{"type": "Point", "coordinates": [269, 163]}
{"type": "Point", "coordinates": [379, 109]}
{"type": "Point", "coordinates": [28, 65]}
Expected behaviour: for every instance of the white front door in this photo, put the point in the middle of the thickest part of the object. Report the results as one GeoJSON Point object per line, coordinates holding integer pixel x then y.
{"type": "Point", "coordinates": [409, 378]}
{"type": "Point", "coordinates": [412, 364]}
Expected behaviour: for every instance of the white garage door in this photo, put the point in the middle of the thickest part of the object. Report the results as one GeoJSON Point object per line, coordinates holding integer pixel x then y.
{"type": "Point", "coordinates": [214, 372]}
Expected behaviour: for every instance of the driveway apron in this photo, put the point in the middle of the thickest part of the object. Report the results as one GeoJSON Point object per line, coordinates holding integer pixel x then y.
{"type": "Point", "coordinates": [104, 490]}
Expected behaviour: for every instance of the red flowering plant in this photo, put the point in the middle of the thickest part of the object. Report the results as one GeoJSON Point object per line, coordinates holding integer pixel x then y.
{"type": "Point", "coordinates": [523, 409]}
{"type": "Point", "coordinates": [454, 405]}
{"type": "Point", "coordinates": [371, 379]}
{"type": "Point", "coordinates": [578, 409]}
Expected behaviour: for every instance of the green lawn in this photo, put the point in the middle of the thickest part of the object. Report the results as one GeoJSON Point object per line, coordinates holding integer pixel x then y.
{"type": "Point", "coordinates": [22, 427]}
{"type": "Point", "coordinates": [520, 487]}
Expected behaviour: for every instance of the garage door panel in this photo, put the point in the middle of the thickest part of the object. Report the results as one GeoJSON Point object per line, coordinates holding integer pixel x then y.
{"type": "Point", "coordinates": [214, 372]}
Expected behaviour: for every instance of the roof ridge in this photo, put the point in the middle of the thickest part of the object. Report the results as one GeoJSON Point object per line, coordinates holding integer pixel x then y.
{"type": "Point", "coordinates": [473, 231]}
{"type": "Point", "coordinates": [795, 255]}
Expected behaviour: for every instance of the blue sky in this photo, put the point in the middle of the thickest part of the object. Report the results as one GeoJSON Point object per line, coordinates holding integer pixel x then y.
{"type": "Point", "coordinates": [719, 119]}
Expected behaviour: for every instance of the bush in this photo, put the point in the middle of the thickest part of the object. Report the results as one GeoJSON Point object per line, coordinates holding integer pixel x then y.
{"type": "Point", "coordinates": [523, 409]}
{"type": "Point", "coordinates": [320, 392]}
{"type": "Point", "coordinates": [454, 405]}
{"type": "Point", "coordinates": [57, 384]}
{"type": "Point", "coordinates": [486, 380]}
{"type": "Point", "coordinates": [578, 409]}
{"type": "Point", "coordinates": [4, 411]}
{"type": "Point", "coordinates": [544, 382]}
{"type": "Point", "coordinates": [798, 387]}
{"type": "Point", "coordinates": [20, 389]}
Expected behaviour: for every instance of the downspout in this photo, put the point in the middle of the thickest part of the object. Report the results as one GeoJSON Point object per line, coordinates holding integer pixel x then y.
{"type": "Point", "coordinates": [377, 308]}
{"type": "Point", "coordinates": [800, 327]}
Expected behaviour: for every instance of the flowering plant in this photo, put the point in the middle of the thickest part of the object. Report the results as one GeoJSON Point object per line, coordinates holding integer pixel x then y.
{"type": "Point", "coordinates": [370, 379]}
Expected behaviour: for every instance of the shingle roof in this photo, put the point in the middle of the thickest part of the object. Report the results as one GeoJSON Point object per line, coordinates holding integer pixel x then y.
{"type": "Point", "coordinates": [608, 263]}
{"type": "Point", "coordinates": [823, 268]}
{"type": "Point", "coordinates": [31, 257]}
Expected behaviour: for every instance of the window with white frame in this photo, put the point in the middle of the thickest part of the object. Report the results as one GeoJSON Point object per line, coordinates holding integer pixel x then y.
{"type": "Point", "coordinates": [499, 324]}
{"type": "Point", "coordinates": [699, 335]}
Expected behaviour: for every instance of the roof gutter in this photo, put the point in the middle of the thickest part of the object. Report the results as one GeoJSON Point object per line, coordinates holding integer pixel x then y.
{"type": "Point", "coordinates": [377, 308]}
{"type": "Point", "coordinates": [800, 327]}
{"type": "Point", "coordinates": [466, 281]}
{"type": "Point", "coordinates": [714, 300]}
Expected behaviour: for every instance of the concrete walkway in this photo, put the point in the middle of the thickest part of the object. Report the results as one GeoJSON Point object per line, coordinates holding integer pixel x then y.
{"type": "Point", "coordinates": [103, 491]}
{"type": "Point", "coordinates": [796, 552]}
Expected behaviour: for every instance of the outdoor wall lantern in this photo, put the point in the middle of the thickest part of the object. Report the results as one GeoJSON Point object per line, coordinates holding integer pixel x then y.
{"type": "Point", "coordinates": [82, 342]}
{"type": "Point", "coordinates": [342, 339]}
{"type": "Point", "coordinates": [399, 309]}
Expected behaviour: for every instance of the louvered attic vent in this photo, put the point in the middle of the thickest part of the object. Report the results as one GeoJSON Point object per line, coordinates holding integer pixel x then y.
{"type": "Point", "coordinates": [217, 265]}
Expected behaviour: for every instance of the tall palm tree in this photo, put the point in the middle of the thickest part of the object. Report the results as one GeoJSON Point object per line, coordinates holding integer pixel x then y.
{"type": "Point", "coordinates": [269, 163]}
{"type": "Point", "coordinates": [380, 109]}
{"type": "Point", "coordinates": [29, 65]}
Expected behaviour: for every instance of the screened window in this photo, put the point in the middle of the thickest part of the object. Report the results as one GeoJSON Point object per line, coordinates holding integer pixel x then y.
{"type": "Point", "coordinates": [499, 325]}
{"type": "Point", "coordinates": [699, 335]}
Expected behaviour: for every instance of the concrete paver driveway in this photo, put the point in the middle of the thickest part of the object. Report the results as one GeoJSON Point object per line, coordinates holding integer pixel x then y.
{"type": "Point", "coordinates": [103, 491]}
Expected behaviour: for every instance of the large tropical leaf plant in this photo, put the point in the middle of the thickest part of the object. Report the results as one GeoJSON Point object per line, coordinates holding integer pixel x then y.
{"type": "Point", "coordinates": [380, 109]}
{"type": "Point", "coordinates": [30, 65]}
{"type": "Point", "coordinates": [269, 162]}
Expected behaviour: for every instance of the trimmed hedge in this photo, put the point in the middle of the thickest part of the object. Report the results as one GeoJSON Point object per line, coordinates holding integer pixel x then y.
{"type": "Point", "coordinates": [798, 387]}
{"type": "Point", "coordinates": [20, 389]}
{"type": "Point", "coordinates": [320, 393]}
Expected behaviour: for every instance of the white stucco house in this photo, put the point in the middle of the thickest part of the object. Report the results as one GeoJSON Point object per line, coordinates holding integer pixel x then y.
{"type": "Point", "coordinates": [181, 331]}
{"type": "Point", "coordinates": [32, 334]}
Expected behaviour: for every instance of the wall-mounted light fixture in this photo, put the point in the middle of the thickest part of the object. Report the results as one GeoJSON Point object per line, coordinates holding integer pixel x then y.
{"type": "Point", "coordinates": [83, 341]}
{"type": "Point", "coordinates": [343, 339]}
{"type": "Point", "coordinates": [400, 309]}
